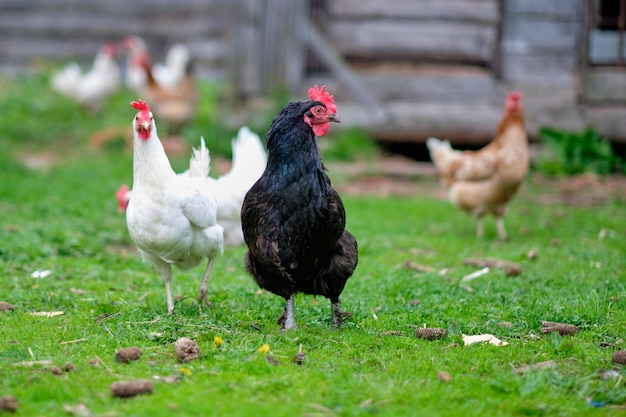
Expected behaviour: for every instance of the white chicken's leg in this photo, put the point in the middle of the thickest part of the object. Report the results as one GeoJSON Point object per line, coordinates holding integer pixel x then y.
{"type": "Point", "coordinates": [170, 299]}
{"type": "Point", "coordinates": [501, 230]}
{"type": "Point", "coordinates": [290, 315]}
{"type": "Point", "coordinates": [166, 273]}
{"type": "Point", "coordinates": [203, 290]}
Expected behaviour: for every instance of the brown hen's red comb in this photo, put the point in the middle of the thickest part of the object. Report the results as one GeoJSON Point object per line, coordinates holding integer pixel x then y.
{"type": "Point", "coordinates": [140, 105]}
{"type": "Point", "coordinates": [320, 94]}
{"type": "Point", "coordinates": [515, 95]}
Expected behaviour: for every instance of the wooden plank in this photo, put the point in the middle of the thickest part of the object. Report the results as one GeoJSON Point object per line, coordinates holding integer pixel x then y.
{"type": "Point", "coordinates": [605, 85]}
{"type": "Point", "coordinates": [120, 6]}
{"type": "Point", "coordinates": [44, 47]}
{"type": "Point", "coordinates": [329, 55]}
{"type": "Point", "coordinates": [556, 71]}
{"type": "Point", "coordinates": [543, 7]}
{"type": "Point", "coordinates": [213, 51]}
{"type": "Point", "coordinates": [486, 11]}
{"type": "Point", "coordinates": [76, 23]}
{"type": "Point", "coordinates": [432, 39]}
{"type": "Point", "coordinates": [474, 121]}
{"type": "Point", "coordinates": [209, 54]}
{"type": "Point", "coordinates": [443, 83]}
{"type": "Point", "coordinates": [244, 35]}
{"type": "Point", "coordinates": [462, 122]}
{"type": "Point", "coordinates": [274, 43]}
{"type": "Point", "coordinates": [64, 30]}
{"type": "Point", "coordinates": [530, 35]}
{"type": "Point", "coordinates": [610, 122]}
{"type": "Point", "coordinates": [295, 50]}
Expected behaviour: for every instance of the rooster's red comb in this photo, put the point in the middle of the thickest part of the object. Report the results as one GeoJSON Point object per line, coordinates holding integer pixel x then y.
{"type": "Point", "coordinates": [140, 105]}
{"type": "Point", "coordinates": [320, 94]}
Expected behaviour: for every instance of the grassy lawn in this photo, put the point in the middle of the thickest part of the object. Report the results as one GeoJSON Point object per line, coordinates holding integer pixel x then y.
{"type": "Point", "coordinates": [62, 218]}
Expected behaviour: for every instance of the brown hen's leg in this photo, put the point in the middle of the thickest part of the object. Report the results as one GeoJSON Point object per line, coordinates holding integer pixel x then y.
{"type": "Point", "coordinates": [479, 227]}
{"type": "Point", "coordinates": [501, 229]}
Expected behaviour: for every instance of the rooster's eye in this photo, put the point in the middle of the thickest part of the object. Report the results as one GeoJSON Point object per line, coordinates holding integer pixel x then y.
{"type": "Point", "coordinates": [317, 110]}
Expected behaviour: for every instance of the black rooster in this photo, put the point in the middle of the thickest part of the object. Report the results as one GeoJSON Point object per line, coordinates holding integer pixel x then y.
{"type": "Point", "coordinates": [293, 220]}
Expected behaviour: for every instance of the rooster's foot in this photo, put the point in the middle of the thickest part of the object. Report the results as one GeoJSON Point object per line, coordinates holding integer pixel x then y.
{"type": "Point", "coordinates": [338, 316]}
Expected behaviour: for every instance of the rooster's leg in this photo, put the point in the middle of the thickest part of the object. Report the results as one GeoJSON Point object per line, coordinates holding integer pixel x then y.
{"type": "Point", "coordinates": [203, 290]}
{"type": "Point", "coordinates": [501, 229]}
{"type": "Point", "coordinates": [289, 314]}
{"type": "Point", "coordinates": [337, 315]}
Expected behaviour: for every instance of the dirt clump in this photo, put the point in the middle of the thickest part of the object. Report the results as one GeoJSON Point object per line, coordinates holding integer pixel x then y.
{"type": "Point", "coordinates": [431, 333]}
{"type": "Point", "coordinates": [186, 349]}
{"type": "Point", "coordinates": [127, 389]}
{"type": "Point", "coordinates": [9, 403]}
{"type": "Point", "coordinates": [127, 355]}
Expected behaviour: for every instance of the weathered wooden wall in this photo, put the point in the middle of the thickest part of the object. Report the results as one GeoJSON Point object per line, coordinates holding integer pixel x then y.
{"type": "Point", "coordinates": [444, 67]}
{"type": "Point", "coordinates": [445, 30]}
{"type": "Point", "coordinates": [542, 42]}
{"type": "Point", "coordinates": [263, 47]}
{"type": "Point", "coordinates": [418, 50]}
{"type": "Point", "coordinates": [434, 67]}
{"type": "Point", "coordinates": [62, 30]}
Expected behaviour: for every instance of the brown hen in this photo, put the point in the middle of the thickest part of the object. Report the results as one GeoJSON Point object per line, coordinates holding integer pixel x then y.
{"type": "Point", "coordinates": [174, 105]}
{"type": "Point", "coordinates": [485, 181]}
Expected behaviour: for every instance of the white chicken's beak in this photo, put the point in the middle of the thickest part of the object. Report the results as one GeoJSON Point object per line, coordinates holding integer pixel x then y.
{"type": "Point", "coordinates": [145, 125]}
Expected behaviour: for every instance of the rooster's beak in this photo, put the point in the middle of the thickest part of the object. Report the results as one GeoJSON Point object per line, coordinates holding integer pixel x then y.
{"type": "Point", "coordinates": [334, 118]}
{"type": "Point", "coordinates": [145, 125]}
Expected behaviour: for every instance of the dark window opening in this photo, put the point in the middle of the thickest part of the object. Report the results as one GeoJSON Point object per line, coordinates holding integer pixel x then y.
{"type": "Point", "coordinates": [607, 40]}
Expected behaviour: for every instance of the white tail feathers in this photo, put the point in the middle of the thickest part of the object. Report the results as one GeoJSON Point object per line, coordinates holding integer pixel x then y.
{"type": "Point", "coordinates": [248, 152]}
{"type": "Point", "coordinates": [249, 159]}
{"type": "Point", "coordinates": [441, 153]}
{"type": "Point", "coordinates": [435, 144]}
{"type": "Point", "coordinates": [200, 162]}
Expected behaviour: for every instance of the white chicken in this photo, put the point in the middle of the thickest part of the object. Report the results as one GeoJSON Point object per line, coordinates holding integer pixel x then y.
{"type": "Point", "coordinates": [249, 160]}
{"type": "Point", "coordinates": [171, 218]}
{"type": "Point", "coordinates": [91, 88]}
{"type": "Point", "coordinates": [167, 74]}
{"type": "Point", "coordinates": [171, 72]}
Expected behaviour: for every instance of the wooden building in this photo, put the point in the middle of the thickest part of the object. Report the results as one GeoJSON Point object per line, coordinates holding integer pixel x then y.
{"type": "Point", "coordinates": [403, 69]}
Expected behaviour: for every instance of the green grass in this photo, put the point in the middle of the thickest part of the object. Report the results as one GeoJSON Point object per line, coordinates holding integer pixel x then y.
{"type": "Point", "coordinates": [64, 220]}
